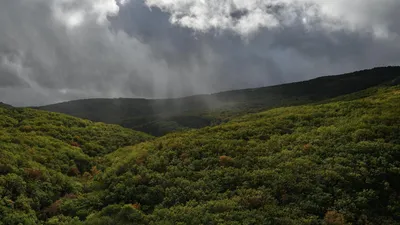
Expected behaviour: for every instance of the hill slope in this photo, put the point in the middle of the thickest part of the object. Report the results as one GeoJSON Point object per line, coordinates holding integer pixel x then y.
{"type": "Point", "coordinates": [4, 105]}
{"type": "Point", "coordinates": [333, 163]}
{"type": "Point", "coordinates": [158, 117]}
{"type": "Point", "coordinates": [43, 157]}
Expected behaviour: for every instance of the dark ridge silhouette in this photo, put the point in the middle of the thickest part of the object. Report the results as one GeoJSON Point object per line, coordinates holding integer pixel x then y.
{"type": "Point", "coordinates": [161, 116]}
{"type": "Point", "coordinates": [4, 105]}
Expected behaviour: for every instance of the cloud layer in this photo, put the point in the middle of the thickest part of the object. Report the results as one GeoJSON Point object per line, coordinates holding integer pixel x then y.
{"type": "Point", "coordinates": [57, 50]}
{"type": "Point", "coordinates": [250, 16]}
{"type": "Point", "coordinates": [65, 49]}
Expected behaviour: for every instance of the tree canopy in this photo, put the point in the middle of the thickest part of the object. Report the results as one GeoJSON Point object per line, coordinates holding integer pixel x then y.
{"type": "Point", "coordinates": [334, 163]}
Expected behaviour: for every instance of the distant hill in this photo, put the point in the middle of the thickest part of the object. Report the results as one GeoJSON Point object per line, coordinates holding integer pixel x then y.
{"type": "Point", "coordinates": [158, 117]}
{"type": "Point", "coordinates": [4, 105]}
{"type": "Point", "coordinates": [93, 138]}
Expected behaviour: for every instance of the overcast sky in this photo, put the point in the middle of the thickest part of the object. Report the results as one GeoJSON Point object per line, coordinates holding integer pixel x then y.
{"type": "Point", "coordinates": [58, 50]}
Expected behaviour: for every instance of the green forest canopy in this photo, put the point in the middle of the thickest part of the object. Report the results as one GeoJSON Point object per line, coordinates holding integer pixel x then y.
{"type": "Point", "coordinates": [331, 163]}
{"type": "Point", "coordinates": [43, 157]}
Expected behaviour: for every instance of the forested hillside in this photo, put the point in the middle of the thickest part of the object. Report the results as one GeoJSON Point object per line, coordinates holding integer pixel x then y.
{"type": "Point", "coordinates": [331, 163]}
{"type": "Point", "coordinates": [158, 117]}
{"type": "Point", "coordinates": [46, 156]}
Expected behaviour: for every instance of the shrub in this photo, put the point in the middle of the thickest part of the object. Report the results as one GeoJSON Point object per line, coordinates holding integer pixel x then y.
{"type": "Point", "coordinates": [334, 218]}
{"type": "Point", "coordinates": [34, 174]}
{"type": "Point", "coordinates": [226, 160]}
{"type": "Point", "coordinates": [74, 171]}
{"type": "Point", "coordinates": [75, 144]}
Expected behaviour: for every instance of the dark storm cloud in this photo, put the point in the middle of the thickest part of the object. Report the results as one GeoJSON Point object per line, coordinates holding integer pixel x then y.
{"type": "Point", "coordinates": [9, 79]}
{"type": "Point", "coordinates": [60, 50]}
{"type": "Point", "coordinates": [291, 52]}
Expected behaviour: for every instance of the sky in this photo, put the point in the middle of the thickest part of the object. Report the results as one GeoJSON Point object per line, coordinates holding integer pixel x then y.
{"type": "Point", "coordinates": [59, 50]}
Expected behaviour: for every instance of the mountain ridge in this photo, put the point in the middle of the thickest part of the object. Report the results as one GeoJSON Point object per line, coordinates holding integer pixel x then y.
{"type": "Point", "coordinates": [224, 92]}
{"type": "Point", "coordinates": [158, 117]}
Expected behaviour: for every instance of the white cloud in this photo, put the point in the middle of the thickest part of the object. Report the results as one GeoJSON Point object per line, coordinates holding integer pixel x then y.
{"type": "Point", "coordinates": [75, 12]}
{"type": "Point", "coordinates": [248, 16]}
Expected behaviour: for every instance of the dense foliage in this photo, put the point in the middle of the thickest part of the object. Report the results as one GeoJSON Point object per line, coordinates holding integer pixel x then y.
{"type": "Point", "coordinates": [48, 156]}
{"type": "Point", "coordinates": [158, 117]}
{"type": "Point", "coordinates": [334, 163]}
